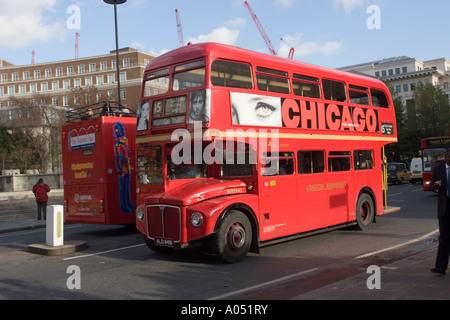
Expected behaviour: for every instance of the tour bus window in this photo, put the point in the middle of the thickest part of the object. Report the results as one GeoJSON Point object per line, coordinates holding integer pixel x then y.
{"type": "Point", "coordinates": [231, 74]}
{"type": "Point", "coordinates": [270, 80]}
{"type": "Point", "coordinates": [189, 75]}
{"type": "Point", "coordinates": [359, 95]}
{"type": "Point", "coordinates": [379, 99]}
{"type": "Point", "coordinates": [363, 159]}
{"type": "Point", "coordinates": [156, 79]}
{"type": "Point", "coordinates": [334, 90]}
{"type": "Point", "coordinates": [277, 164]}
{"type": "Point", "coordinates": [306, 86]}
{"type": "Point", "coordinates": [149, 164]}
{"type": "Point", "coordinates": [339, 161]}
{"type": "Point", "coordinates": [311, 162]}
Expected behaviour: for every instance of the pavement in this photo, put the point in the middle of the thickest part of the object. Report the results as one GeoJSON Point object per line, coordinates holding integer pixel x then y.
{"type": "Point", "coordinates": [402, 273]}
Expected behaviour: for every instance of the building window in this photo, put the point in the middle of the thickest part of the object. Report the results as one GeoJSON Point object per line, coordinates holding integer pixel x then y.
{"type": "Point", "coordinates": [81, 68]}
{"type": "Point", "coordinates": [126, 62]}
{"type": "Point", "coordinates": [37, 74]}
{"type": "Point", "coordinates": [405, 88]}
{"type": "Point", "coordinates": [66, 101]}
{"type": "Point", "coordinates": [66, 84]}
{"type": "Point", "coordinates": [48, 73]}
{"type": "Point", "coordinates": [88, 81]}
{"type": "Point", "coordinates": [397, 70]}
{"type": "Point", "coordinates": [55, 101]}
{"type": "Point", "coordinates": [33, 87]}
{"type": "Point", "coordinates": [398, 89]}
{"type": "Point", "coordinates": [55, 85]}
{"type": "Point", "coordinates": [44, 86]}
{"type": "Point", "coordinates": [99, 80]}
{"type": "Point", "coordinates": [77, 83]}
{"type": "Point", "coordinates": [22, 89]}
{"type": "Point", "coordinates": [103, 66]}
{"type": "Point", "coordinates": [91, 67]}
{"type": "Point", "coordinates": [111, 78]}
{"type": "Point", "coordinates": [15, 76]}
{"type": "Point", "coordinates": [4, 77]}
{"type": "Point", "coordinates": [405, 69]}
{"type": "Point", "coordinates": [11, 90]}
{"type": "Point", "coordinates": [26, 75]}
{"type": "Point", "coordinates": [69, 71]}
{"type": "Point", "coordinates": [123, 94]}
{"type": "Point", "coordinates": [59, 72]}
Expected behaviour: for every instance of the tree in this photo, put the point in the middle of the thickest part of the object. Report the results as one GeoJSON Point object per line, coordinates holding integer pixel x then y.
{"type": "Point", "coordinates": [432, 111]}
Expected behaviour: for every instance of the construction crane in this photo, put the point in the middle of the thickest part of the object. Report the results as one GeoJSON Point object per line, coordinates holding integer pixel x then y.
{"type": "Point", "coordinates": [77, 35]}
{"type": "Point", "coordinates": [180, 30]}
{"type": "Point", "coordinates": [32, 56]}
{"type": "Point", "coordinates": [264, 34]}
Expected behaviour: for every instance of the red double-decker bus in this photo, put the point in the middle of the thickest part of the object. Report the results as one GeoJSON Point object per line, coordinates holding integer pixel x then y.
{"type": "Point", "coordinates": [433, 151]}
{"type": "Point", "coordinates": [99, 154]}
{"type": "Point", "coordinates": [242, 149]}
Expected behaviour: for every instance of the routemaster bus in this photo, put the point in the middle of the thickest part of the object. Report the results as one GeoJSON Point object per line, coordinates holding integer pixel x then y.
{"type": "Point", "coordinates": [433, 151]}
{"type": "Point", "coordinates": [99, 155]}
{"type": "Point", "coordinates": [241, 149]}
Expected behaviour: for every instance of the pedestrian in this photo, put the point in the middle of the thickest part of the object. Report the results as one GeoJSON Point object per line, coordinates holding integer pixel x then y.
{"type": "Point", "coordinates": [40, 190]}
{"type": "Point", "coordinates": [441, 183]}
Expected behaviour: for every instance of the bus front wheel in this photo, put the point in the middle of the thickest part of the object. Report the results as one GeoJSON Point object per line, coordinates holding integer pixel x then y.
{"type": "Point", "coordinates": [365, 211]}
{"type": "Point", "coordinates": [233, 238]}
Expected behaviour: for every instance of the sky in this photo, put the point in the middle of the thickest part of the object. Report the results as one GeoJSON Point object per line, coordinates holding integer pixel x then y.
{"type": "Point", "coordinates": [330, 33]}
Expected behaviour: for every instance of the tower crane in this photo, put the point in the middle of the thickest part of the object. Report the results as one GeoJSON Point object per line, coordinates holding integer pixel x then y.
{"type": "Point", "coordinates": [180, 30]}
{"type": "Point", "coordinates": [77, 35]}
{"type": "Point", "coordinates": [264, 34]}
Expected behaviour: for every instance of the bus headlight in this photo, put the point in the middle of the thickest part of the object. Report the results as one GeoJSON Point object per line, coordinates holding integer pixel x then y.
{"type": "Point", "coordinates": [196, 219]}
{"type": "Point", "coordinates": [140, 214]}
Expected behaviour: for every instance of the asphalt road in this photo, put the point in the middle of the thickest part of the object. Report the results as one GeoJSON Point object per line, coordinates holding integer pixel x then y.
{"type": "Point", "coordinates": [118, 265]}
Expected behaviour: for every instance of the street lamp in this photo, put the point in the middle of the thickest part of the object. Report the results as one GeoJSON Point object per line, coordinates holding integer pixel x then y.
{"type": "Point", "coordinates": [115, 3]}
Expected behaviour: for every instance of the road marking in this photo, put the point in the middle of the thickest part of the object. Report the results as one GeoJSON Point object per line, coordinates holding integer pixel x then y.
{"type": "Point", "coordinates": [398, 246]}
{"type": "Point", "coordinates": [103, 252]}
{"type": "Point", "coordinates": [263, 284]}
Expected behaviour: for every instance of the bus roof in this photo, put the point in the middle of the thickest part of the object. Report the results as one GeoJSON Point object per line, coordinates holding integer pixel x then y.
{"type": "Point", "coordinates": [217, 50]}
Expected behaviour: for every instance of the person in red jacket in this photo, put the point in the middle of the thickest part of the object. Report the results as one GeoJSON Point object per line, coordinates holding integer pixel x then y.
{"type": "Point", "coordinates": [40, 190]}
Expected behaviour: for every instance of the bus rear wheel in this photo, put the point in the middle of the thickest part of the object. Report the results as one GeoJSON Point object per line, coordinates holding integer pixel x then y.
{"type": "Point", "coordinates": [365, 211]}
{"type": "Point", "coordinates": [232, 240]}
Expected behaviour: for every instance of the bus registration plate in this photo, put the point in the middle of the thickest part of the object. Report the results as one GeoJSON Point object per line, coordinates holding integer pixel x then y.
{"type": "Point", "coordinates": [164, 242]}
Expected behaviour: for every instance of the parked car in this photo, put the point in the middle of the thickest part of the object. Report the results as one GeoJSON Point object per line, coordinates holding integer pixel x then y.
{"type": "Point", "coordinates": [416, 170]}
{"type": "Point", "coordinates": [398, 172]}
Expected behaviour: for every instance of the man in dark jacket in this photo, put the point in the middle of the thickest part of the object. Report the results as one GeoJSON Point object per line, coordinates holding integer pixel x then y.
{"type": "Point", "coordinates": [40, 190]}
{"type": "Point", "coordinates": [441, 183]}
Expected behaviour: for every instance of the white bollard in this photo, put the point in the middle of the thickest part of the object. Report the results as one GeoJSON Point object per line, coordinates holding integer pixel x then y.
{"type": "Point", "coordinates": [55, 225]}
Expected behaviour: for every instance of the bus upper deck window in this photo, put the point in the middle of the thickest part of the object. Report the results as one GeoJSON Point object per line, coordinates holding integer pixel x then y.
{"type": "Point", "coordinates": [379, 99]}
{"type": "Point", "coordinates": [271, 80]}
{"type": "Point", "coordinates": [359, 95]}
{"type": "Point", "coordinates": [306, 86]}
{"type": "Point", "coordinates": [189, 75]}
{"type": "Point", "coordinates": [334, 90]}
{"type": "Point", "coordinates": [156, 82]}
{"type": "Point", "coordinates": [231, 74]}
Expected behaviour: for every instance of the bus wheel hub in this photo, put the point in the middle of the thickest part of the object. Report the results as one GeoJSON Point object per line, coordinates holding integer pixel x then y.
{"type": "Point", "coordinates": [236, 236]}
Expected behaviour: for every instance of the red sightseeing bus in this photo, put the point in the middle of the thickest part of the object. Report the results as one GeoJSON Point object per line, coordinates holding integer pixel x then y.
{"type": "Point", "coordinates": [433, 151]}
{"type": "Point", "coordinates": [243, 149]}
{"type": "Point", "coordinates": [98, 151]}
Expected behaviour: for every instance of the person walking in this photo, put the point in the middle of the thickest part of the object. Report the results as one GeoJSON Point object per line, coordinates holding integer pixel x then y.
{"type": "Point", "coordinates": [40, 190]}
{"type": "Point", "coordinates": [441, 183]}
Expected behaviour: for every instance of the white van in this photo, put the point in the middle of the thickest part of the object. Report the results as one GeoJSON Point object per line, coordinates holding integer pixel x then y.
{"type": "Point", "coordinates": [416, 170]}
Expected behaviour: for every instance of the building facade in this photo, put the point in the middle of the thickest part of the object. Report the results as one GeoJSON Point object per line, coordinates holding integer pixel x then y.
{"type": "Point", "coordinates": [404, 73]}
{"type": "Point", "coordinates": [76, 82]}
